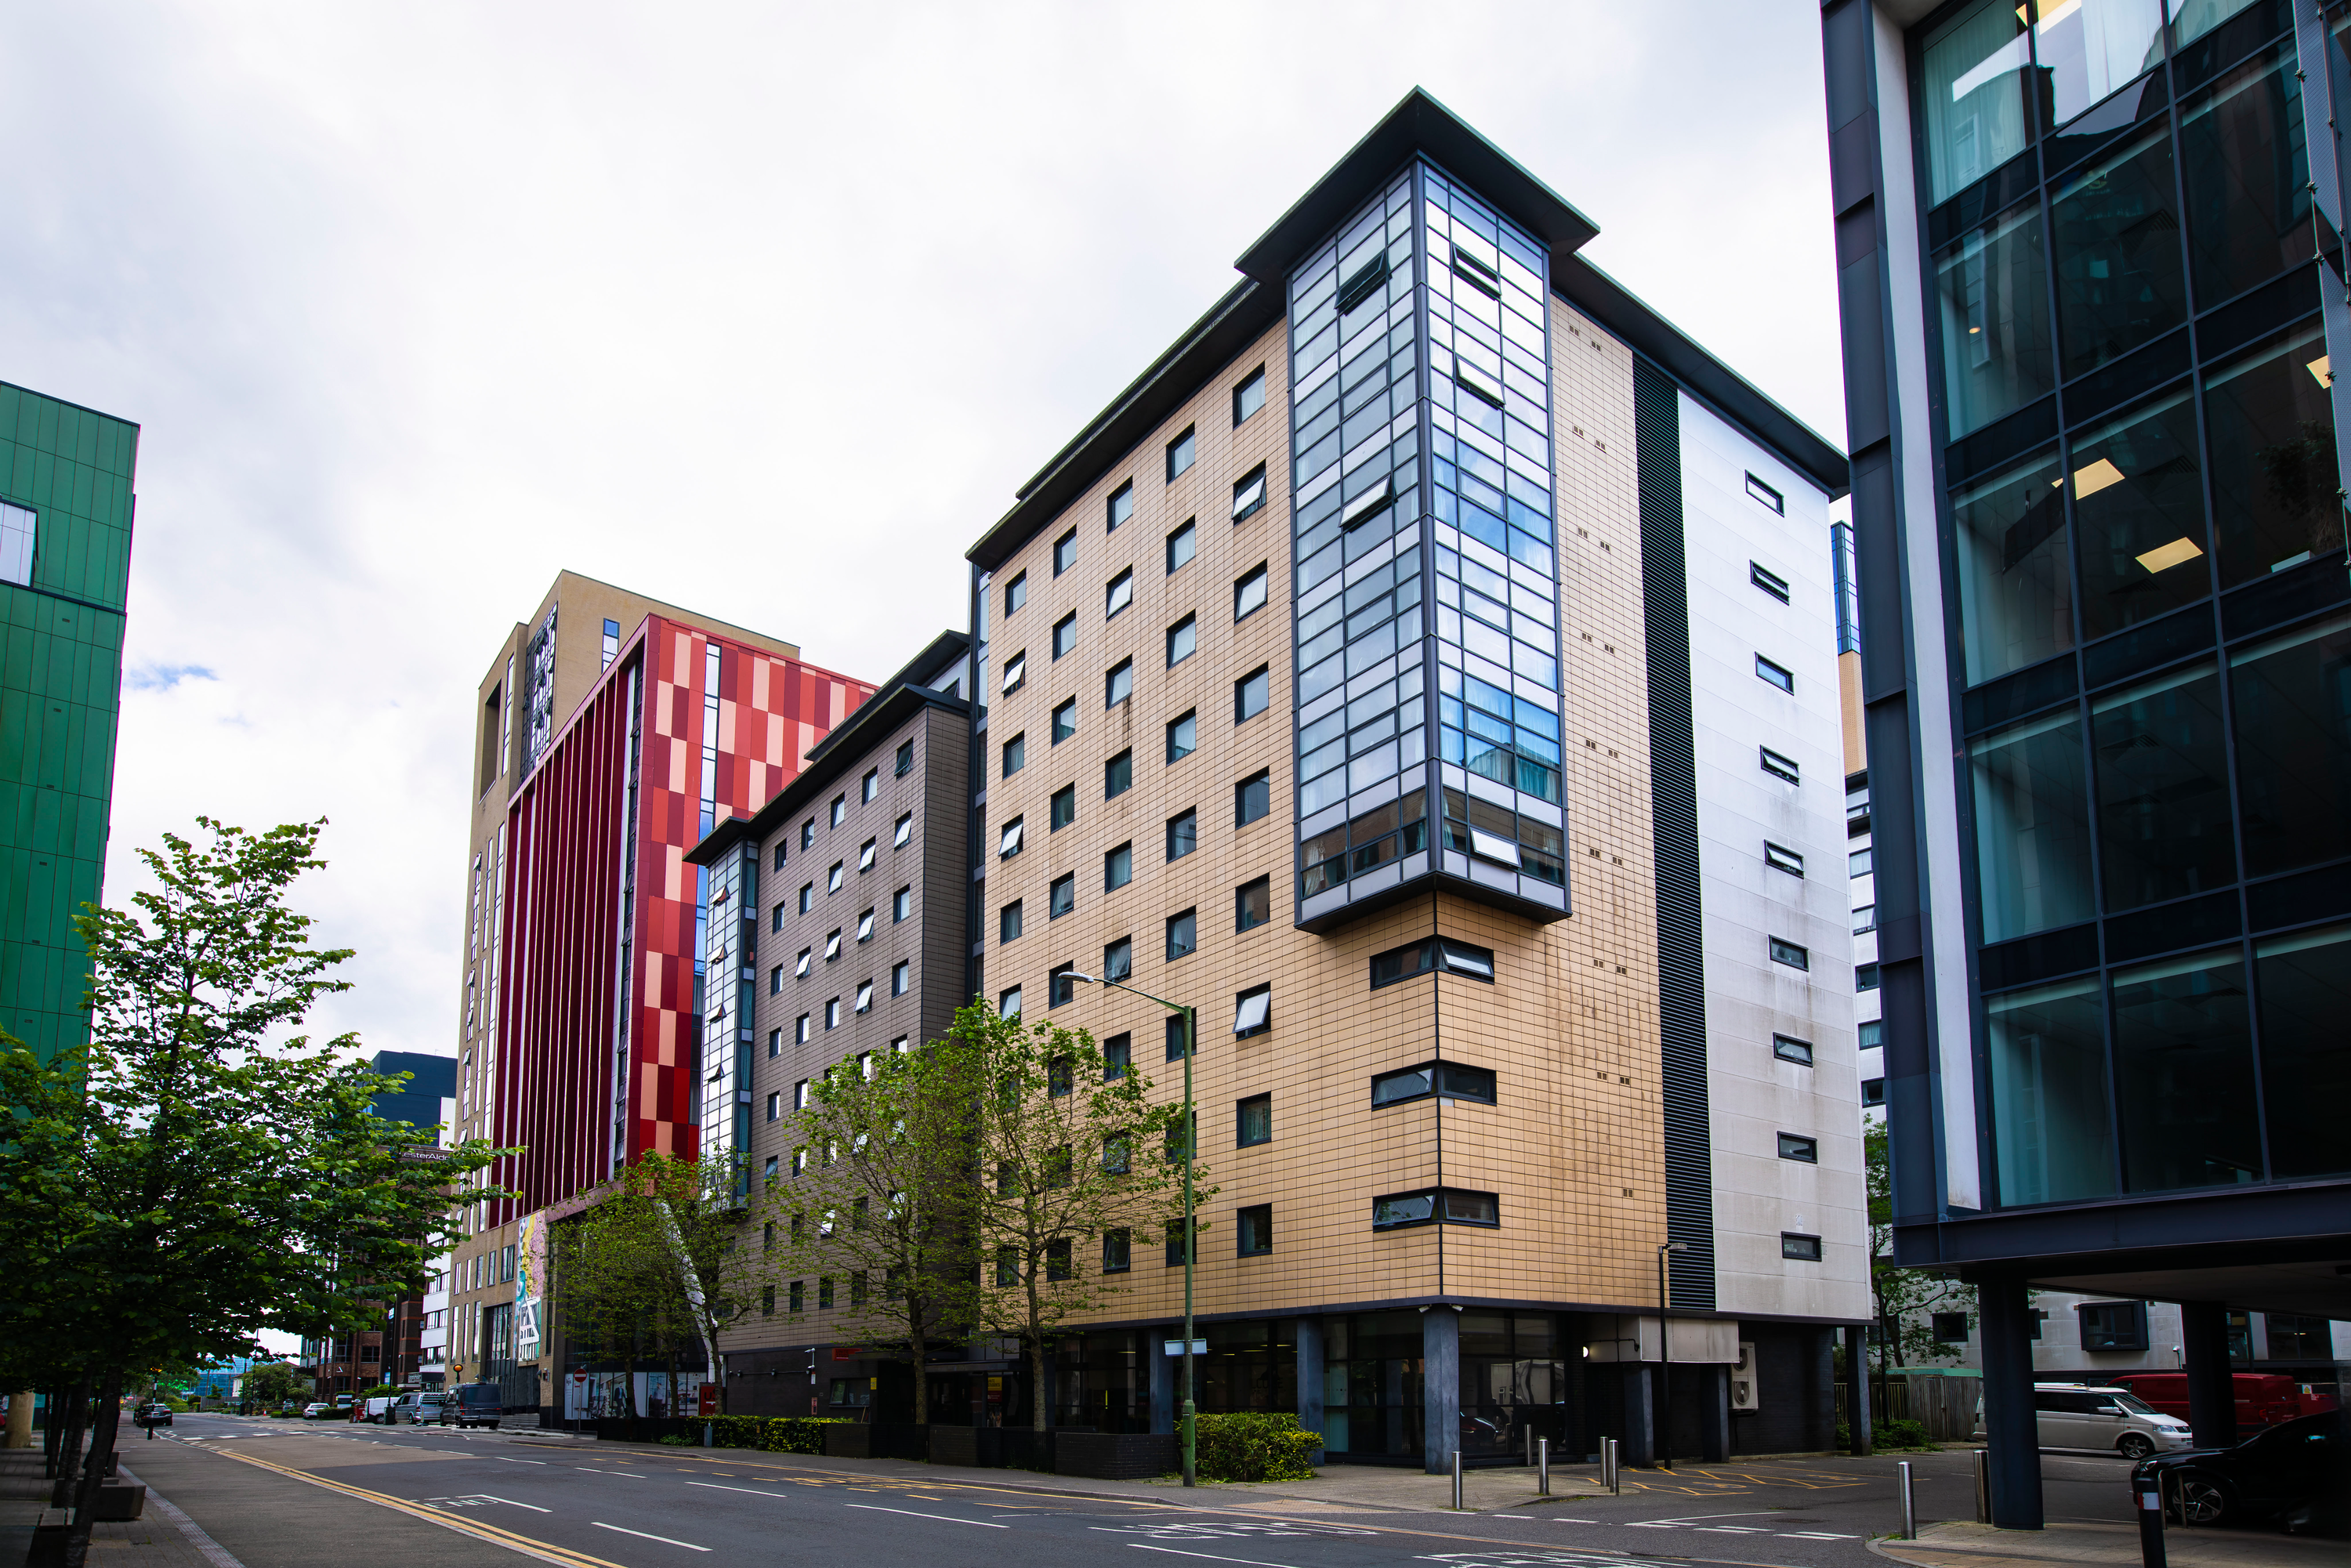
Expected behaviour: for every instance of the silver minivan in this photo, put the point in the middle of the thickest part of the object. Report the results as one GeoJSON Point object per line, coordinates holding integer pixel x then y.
{"type": "Point", "coordinates": [415, 1409]}
{"type": "Point", "coordinates": [2110, 1420]}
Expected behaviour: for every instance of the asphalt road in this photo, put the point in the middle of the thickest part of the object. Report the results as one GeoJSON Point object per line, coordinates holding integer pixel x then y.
{"type": "Point", "coordinates": [278, 1494]}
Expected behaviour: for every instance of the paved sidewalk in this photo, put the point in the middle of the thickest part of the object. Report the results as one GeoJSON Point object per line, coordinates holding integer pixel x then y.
{"type": "Point", "coordinates": [163, 1538]}
{"type": "Point", "coordinates": [1956, 1544]}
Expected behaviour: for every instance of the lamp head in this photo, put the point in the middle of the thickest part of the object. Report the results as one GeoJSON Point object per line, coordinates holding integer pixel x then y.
{"type": "Point", "coordinates": [1675, 1246]}
{"type": "Point", "coordinates": [1089, 980]}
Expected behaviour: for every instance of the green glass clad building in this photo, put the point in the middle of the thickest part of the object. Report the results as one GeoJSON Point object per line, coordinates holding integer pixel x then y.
{"type": "Point", "coordinates": [65, 565]}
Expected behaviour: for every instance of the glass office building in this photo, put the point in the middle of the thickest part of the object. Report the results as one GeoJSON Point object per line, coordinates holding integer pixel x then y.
{"type": "Point", "coordinates": [2092, 274]}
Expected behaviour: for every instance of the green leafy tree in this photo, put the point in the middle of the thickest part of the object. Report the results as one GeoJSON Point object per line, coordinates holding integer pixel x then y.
{"type": "Point", "coordinates": [879, 1204]}
{"type": "Point", "coordinates": [273, 1384]}
{"type": "Point", "coordinates": [1065, 1154]}
{"type": "Point", "coordinates": [1906, 1299]}
{"type": "Point", "coordinates": [199, 1173]}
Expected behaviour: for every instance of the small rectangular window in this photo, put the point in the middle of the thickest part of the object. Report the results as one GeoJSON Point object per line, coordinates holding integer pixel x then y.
{"type": "Point", "coordinates": [775, 1106]}
{"type": "Point", "coordinates": [1118, 868]}
{"type": "Point", "coordinates": [1778, 857]}
{"type": "Point", "coordinates": [1788, 1048]}
{"type": "Point", "coordinates": [1800, 1249]}
{"type": "Point", "coordinates": [1118, 959]}
{"type": "Point", "coordinates": [1252, 904]}
{"type": "Point", "coordinates": [1250, 695]}
{"type": "Point", "coordinates": [1802, 1149]}
{"type": "Point", "coordinates": [1430, 1079]}
{"type": "Point", "coordinates": [1065, 552]}
{"type": "Point", "coordinates": [779, 864]}
{"type": "Point", "coordinates": [1951, 1328]}
{"type": "Point", "coordinates": [1182, 546]}
{"type": "Point", "coordinates": [1183, 736]}
{"type": "Point", "coordinates": [865, 927]}
{"type": "Point", "coordinates": [1061, 895]}
{"type": "Point", "coordinates": [902, 905]}
{"type": "Point", "coordinates": [1865, 977]}
{"type": "Point", "coordinates": [865, 855]}
{"type": "Point", "coordinates": [1008, 1003]}
{"type": "Point", "coordinates": [775, 1042]}
{"type": "Point", "coordinates": [898, 979]}
{"type": "Point", "coordinates": [1767, 496]}
{"type": "Point", "coordinates": [1007, 921]}
{"type": "Point", "coordinates": [800, 1030]}
{"type": "Point", "coordinates": [1250, 396]}
{"type": "Point", "coordinates": [1434, 1206]}
{"type": "Point", "coordinates": [1016, 755]}
{"type": "Point", "coordinates": [1857, 863]}
{"type": "Point", "coordinates": [1864, 919]}
{"type": "Point", "coordinates": [807, 834]}
{"type": "Point", "coordinates": [1429, 955]}
{"type": "Point", "coordinates": [871, 786]}
{"type": "Point", "coordinates": [1870, 1035]}
{"type": "Point", "coordinates": [1183, 934]}
{"type": "Point", "coordinates": [1065, 721]}
{"type": "Point", "coordinates": [1770, 581]}
{"type": "Point", "coordinates": [1016, 673]}
{"type": "Point", "coordinates": [1780, 766]}
{"type": "Point", "coordinates": [1121, 507]}
{"type": "Point", "coordinates": [832, 1013]}
{"type": "Point", "coordinates": [1790, 954]}
{"type": "Point", "coordinates": [1873, 1092]}
{"type": "Point", "coordinates": [1183, 835]}
{"type": "Point", "coordinates": [1118, 594]}
{"type": "Point", "coordinates": [904, 833]}
{"type": "Point", "coordinates": [1253, 1011]}
{"type": "Point", "coordinates": [1119, 683]}
{"type": "Point", "coordinates": [1253, 1122]}
{"type": "Point", "coordinates": [1007, 844]}
{"type": "Point", "coordinates": [1183, 639]}
{"type": "Point", "coordinates": [1016, 594]}
{"type": "Point", "coordinates": [1058, 988]}
{"type": "Point", "coordinates": [1063, 808]}
{"type": "Point", "coordinates": [1118, 774]}
{"type": "Point", "coordinates": [1779, 675]}
{"type": "Point", "coordinates": [1249, 594]}
{"type": "Point", "coordinates": [1065, 636]}
{"type": "Point", "coordinates": [905, 763]}
{"type": "Point", "coordinates": [1118, 1251]}
{"type": "Point", "coordinates": [800, 1095]}
{"type": "Point", "coordinates": [1253, 1231]}
{"type": "Point", "coordinates": [1252, 797]}
{"type": "Point", "coordinates": [1248, 494]}
{"type": "Point", "coordinates": [1181, 453]}
{"type": "Point", "coordinates": [865, 997]}
{"type": "Point", "coordinates": [1175, 1040]}
{"type": "Point", "coordinates": [1175, 1243]}
{"type": "Point", "coordinates": [775, 981]}
{"type": "Point", "coordinates": [833, 878]}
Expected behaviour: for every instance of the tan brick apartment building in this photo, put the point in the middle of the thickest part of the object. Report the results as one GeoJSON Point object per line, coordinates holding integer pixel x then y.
{"type": "Point", "coordinates": [1426, 669]}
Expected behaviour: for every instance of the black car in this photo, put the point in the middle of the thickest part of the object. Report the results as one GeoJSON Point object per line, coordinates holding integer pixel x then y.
{"type": "Point", "coordinates": [473, 1404]}
{"type": "Point", "coordinates": [2298, 1472]}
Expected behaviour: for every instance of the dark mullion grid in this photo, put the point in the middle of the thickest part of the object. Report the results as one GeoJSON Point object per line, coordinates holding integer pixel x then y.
{"type": "Point", "coordinates": [1432, 773]}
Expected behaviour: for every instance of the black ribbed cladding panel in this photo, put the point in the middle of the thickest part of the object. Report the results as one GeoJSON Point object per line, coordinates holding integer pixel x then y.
{"type": "Point", "coordinates": [1673, 804]}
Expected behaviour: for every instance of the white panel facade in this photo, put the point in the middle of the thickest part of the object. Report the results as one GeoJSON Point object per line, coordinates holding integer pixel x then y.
{"type": "Point", "coordinates": [1755, 1094]}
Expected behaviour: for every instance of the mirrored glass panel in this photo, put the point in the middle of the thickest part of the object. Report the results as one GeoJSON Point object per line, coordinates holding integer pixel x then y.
{"type": "Point", "coordinates": [2015, 570]}
{"type": "Point", "coordinates": [2271, 436]}
{"type": "Point", "coordinates": [2051, 1123]}
{"type": "Point", "coordinates": [2247, 178]}
{"type": "Point", "coordinates": [2293, 701]}
{"type": "Point", "coordinates": [2086, 48]}
{"type": "Point", "coordinates": [2138, 502]}
{"type": "Point", "coordinates": [2163, 791]}
{"type": "Point", "coordinates": [1974, 92]}
{"type": "Point", "coordinates": [2032, 827]}
{"type": "Point", "coordinates": [2184, 1064]}
{"type": "Point", "coordinates": [2115, 226]}
{"type": "Point", "coordinates": [1993, 283]}
{"type": "Point", "coordinates": [2304, 990]}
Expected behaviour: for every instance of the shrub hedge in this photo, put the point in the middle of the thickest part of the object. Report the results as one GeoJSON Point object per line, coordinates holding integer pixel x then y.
{"type": "Point", "coordinates": [1253, 1445]}
{"type": "Point", "coordinates": [771, 1434]}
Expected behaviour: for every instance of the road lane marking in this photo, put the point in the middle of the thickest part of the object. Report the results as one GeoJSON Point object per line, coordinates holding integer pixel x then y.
{"type": "Point", "coordinates": [592, 1470]}
{"type": "Point", "coordinates": [511, 1503]}
{"type": "Point", "coordinates": [504, 1460]}
{"type": "Point", "coordinates": [1260, 1562]}
{"type": "Point", "coordinates": [942, 1518]}
{"type": "Point", "coordinates": [624, 1530]}
{"type": "Point", "coordinates": [750, 1492]}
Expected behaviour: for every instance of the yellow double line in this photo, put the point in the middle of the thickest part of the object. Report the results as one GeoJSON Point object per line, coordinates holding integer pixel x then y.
{"type": "Point", "coordinates": [544, 1550]}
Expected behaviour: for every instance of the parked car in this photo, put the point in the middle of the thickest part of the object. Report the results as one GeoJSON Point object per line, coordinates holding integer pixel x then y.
{"type": "Point", "coordinates": [2298, 1472]}
{"type": "Point", "coordinates": [316, 1410]}
{"type": "Point", "coordinates": [291, 1408]}
{"type": "Point", "coordinates": [2110, 1420]}
{"type": "Point", "coordinates": [414, 1409]}
{"type": "Point", "coordinates": [473, 1404]}
{"type": "Point", "coordinates": [2263, 1398]}
{"type": "Point", "coordinates": [379, 1409]}
{"type": "Point", "coordinates": [157, 1413]}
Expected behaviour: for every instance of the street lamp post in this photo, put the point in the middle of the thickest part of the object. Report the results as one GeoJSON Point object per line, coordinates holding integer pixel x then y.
{"type": "Point", "coordinates": [1191, 1031]}
{"type": "Point", "coordinates": [1664, 1419]}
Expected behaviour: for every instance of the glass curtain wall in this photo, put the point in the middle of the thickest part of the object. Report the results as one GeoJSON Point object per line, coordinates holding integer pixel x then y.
{"type": "Point", "coordinates": [1427, 620]}
{"type": "Point", "coordinates": [2148, 582]}
{"type": "Point", "coordinates": [730, 936]}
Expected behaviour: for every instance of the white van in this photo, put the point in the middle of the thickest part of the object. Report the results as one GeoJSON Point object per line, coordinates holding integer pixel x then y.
{"type": "Point", "coordinates": [379, 1409]}
{"type": "Point", "coordinates": [2106, 1420]}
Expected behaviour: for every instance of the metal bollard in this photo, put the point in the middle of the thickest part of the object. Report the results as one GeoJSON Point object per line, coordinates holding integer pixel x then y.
{"type": "Point", "coordinates": [1909, 1504]}
{"type": "Point", "coordinates": [1457, 1480]}
{"type": "Point", "coordinates": [1529, 1432]}
{"type": "Point", "coordinates": [1613, 1458]}
{"type": "Point", "coordinates": [1607, 1464]}
{"type": "Point", "coordinates": [1542, 1467]}
{"type": "Point", "coordinates": [2150, 1523]}
{"type": "Point", "coordinates": [1983, 1486]}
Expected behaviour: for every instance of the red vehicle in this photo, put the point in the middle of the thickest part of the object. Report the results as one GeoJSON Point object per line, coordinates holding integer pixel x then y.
{"type": "Point", "coordinates": [2263, 1398]}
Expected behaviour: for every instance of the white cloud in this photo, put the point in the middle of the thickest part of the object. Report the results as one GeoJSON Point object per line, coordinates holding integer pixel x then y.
{"type": "Point", "coordinates": [418, 303]}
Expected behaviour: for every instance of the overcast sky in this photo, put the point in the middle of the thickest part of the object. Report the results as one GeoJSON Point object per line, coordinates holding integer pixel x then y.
{"type": "Point", "coordinates": [765, 311]}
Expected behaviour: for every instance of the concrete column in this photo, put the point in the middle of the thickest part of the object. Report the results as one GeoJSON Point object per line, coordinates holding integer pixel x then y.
{"type": "Point", "coordinates": [1640, 1439]}
{"type": "Point", "coordinates": [1440, 1388]}
{"type": "Point", "coordinates": [1713, 1412]}
{"type": "Point", "coordinates": [1162, 1375]}
{"type": "Point", "coordinates": [1824, 1390]}
{"type": "Point", "coordinates": [1308, 1338]}
{"type": "Point", "coordinates": [1856, 1404]}
{"type": "Point", "coordinates": [2010, 1421]}
{"type": "Point", "coordinates": [2211, 1384]}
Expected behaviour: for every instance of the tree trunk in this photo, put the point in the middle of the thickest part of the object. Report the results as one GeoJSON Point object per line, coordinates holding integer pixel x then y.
{"type": "Point", "coordinates": [68, 1469]}
{"type": "Point", "coordinates": [921, 1346]}
{"type": "Point", "coordinates": [93, 1476]}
